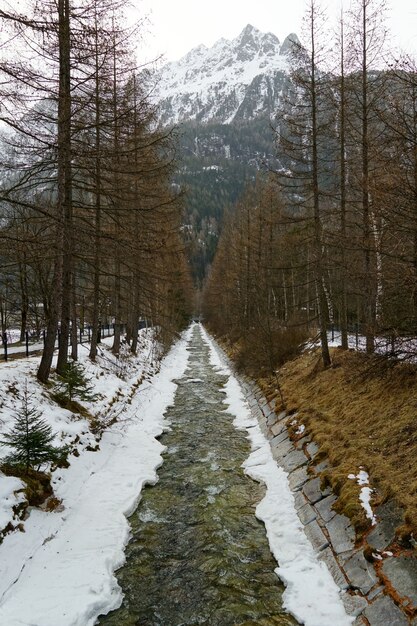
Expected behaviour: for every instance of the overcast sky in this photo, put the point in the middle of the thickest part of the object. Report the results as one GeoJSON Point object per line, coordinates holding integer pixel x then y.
{"type": "Point", "coordinates": [176, 26]}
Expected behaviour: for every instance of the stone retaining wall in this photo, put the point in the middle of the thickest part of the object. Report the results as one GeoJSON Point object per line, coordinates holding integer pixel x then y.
{"type": "Point", "coordinates": [368, 591]}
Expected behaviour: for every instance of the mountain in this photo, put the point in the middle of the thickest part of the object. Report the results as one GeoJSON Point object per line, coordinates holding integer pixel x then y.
{"type": "Point", "coordinates": [233, 81]}
{"type": "Point", "coordinates": [223, 100]}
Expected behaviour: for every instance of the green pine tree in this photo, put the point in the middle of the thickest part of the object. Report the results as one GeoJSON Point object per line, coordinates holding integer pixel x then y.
{"type": "Point", "coordinates": [30, 439]}
{"type": "Point", "coordinates": [73, 383]}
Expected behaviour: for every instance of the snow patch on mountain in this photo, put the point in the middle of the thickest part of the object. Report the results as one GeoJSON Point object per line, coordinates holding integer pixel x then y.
{"type": "Point", "coordinates": [237, 79]}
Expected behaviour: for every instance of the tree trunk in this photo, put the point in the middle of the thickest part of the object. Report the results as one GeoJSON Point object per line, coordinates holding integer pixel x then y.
{"type": "Point", "coordinates": [117, 277]}
{"type": "Point", "coordinates": [97, 224]}
{"type": "Point", "coordinates": [318, 244]}
{"type": "Point", "coordinates": [65, 176]}
{"type": "Point", "coordinates": [343, 273]}
{"type": "Point", "coordinates": [24, 298]}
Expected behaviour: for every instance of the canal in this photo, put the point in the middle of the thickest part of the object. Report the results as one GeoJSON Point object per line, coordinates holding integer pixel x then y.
{"type": "Point", "coordinates": [197, 554]}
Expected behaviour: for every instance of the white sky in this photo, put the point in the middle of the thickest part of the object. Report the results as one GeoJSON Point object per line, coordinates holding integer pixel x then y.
{"type": "Point", "coordinates": [179, 25]}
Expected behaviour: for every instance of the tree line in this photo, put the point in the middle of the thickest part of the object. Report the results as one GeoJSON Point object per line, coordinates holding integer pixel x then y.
{"type": "Point", "coordinates": [330, 237]}
{"type": "Point", "coordinates": [90, 228]}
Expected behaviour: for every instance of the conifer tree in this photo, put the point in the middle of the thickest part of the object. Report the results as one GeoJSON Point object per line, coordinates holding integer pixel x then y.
{"type": "Point", "coordinates": [30, 439]}
{"type": "Point", "coordinates": [74, 383]}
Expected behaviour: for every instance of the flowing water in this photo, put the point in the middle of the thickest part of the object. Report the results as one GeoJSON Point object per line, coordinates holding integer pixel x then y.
{"type": "Point", "coordinates": [198, 555]}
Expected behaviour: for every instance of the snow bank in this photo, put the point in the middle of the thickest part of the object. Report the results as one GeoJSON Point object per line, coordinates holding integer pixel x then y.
{"type": "Point", "coordinates": [60, 572]}
{"type": "Point", "coordinates": [10, 496]}
{"type": "Point", "coordinates": [311, 594]}
{"type": "Point", "coordinates": [112, 379]}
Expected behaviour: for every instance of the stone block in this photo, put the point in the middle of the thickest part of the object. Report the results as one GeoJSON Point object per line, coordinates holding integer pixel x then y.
{"type": "Point", "coordinates": [360, 573]}
{"type": "Point", "coordinates": [280, 450]}
{"type": "Point", "coordinates": [278, 428]}
{"type": "Point", "coordinates": [374, 593]}
{"type": "Point", "coordinates": [299, 500]}
{"type": "Point", "coordinates": [389, 518]}
{"type": "Point", "coordinates": [341, 533]}
{"type": "Point", "coordinates": [279, 438]}
{"type": "Point", "coordinates": [312, 449]}
{"type": "Point", "coordinates": [383, 612]}
{"type": "Point", "coordinates": [324, 508]}
{"type": "Point", "coordinates": [298, 478]}
{"type": "Point", "coordinates": [313, 492]}
{"type": "Point", "coordinates": [271, 420]}
{"type": "Point", "coordinates": [301, 442]}
{"type": "Point", "coordinates": [401, 571]}
{"type": "Point", "coordinates": [333, 566]}
{"type": "Point", "coordinates": [256, 412]}
{"type": "Point", "coordinates": [307, 514]}
{"type": "Point", "coordinates": [293, 460]}
{"type": "Point", "coordinates": [316, 536]}
{"type": "Point", "coordinates": [354, 605]}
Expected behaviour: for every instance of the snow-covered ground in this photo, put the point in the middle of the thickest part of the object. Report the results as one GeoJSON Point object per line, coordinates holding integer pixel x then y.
{"type": "Point", "coordinates": [60, 571]}
{"type": "Point", "coordinates": [311, 594]}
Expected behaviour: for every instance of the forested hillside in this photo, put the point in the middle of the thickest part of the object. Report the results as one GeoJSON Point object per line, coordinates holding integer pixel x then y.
{"type": "Point", "coordinates": [218, 161]}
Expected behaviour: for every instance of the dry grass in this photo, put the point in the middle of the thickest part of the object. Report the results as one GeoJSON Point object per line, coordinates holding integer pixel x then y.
{"type": "Point", "coordinates": [361, 412]}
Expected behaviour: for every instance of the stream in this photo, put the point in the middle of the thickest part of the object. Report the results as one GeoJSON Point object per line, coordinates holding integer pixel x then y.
{"type": "Point", "coordinates": [197, 554]}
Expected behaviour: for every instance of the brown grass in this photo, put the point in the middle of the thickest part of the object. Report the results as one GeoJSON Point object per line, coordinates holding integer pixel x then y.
{"type": "Point", "coordinates": [361, 412]}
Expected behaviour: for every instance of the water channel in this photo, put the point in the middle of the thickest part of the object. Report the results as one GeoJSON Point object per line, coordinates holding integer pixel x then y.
{"type": "Point", "coordinates": [198, 555]}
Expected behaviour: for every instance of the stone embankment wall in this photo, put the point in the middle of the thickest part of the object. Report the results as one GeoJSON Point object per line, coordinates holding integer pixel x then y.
{"type": "Point", "coordinates": [383, 593]}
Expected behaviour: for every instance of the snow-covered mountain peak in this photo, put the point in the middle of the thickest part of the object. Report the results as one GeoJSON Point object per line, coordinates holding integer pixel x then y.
{"type": "Point", "coordinates": [212, 83]}
{"type": "Point", "coordinates": [254, 39]}
{"type": "Point", "coordinates": [289, 44]}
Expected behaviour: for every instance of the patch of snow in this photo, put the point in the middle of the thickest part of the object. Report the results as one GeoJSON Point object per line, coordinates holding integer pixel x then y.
{"type": "Point", "coordinates": [362, 478]}
{"type": "Point", "coordinates": [215, 168]}
{"type": "Point", "coordinates": [311, 594]}
{"type": "Point", "coordinates": [365, 498]}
